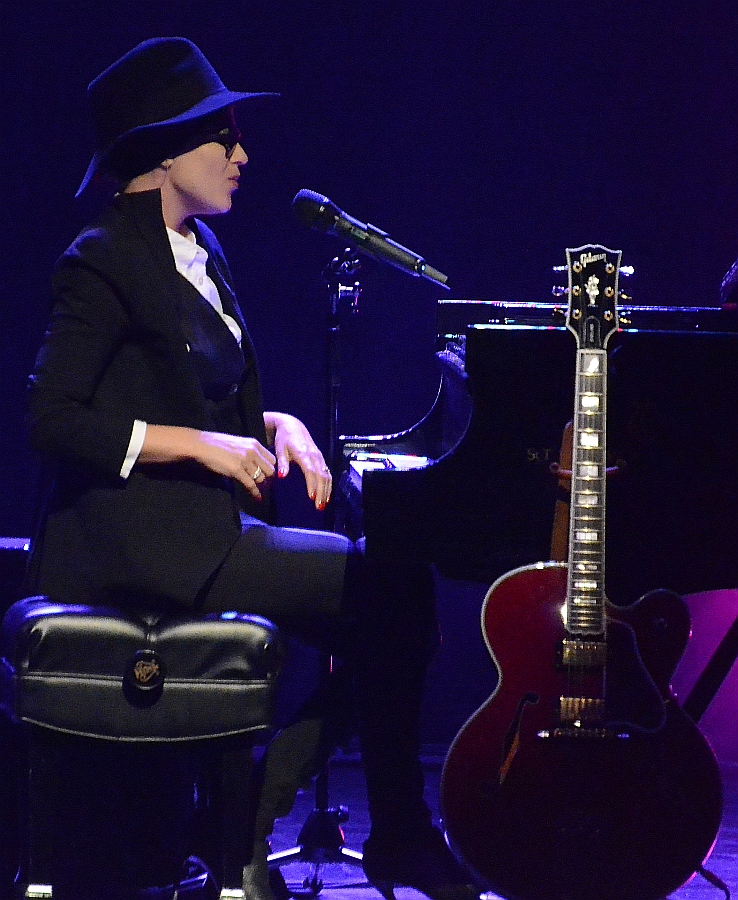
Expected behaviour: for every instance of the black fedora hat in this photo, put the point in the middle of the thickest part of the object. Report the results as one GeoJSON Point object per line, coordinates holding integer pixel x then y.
{"type": "Point", "coordinates": [162, 84]}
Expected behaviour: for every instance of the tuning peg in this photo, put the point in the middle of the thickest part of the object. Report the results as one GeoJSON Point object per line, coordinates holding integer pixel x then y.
{"type": "Point", "coordinates": [627, 271]}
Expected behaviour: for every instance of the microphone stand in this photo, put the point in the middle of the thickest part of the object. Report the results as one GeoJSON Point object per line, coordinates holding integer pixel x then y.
{"type": "Point", "coordinates": [321, 838]}
{"type": "Point", "coordinates": [339, 270]}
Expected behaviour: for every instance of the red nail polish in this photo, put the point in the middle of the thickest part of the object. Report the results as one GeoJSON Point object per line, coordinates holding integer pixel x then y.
{"type": "Point", "coordinates": [321, 506]}
{"type": "Point", "coordinates": [313, 495]}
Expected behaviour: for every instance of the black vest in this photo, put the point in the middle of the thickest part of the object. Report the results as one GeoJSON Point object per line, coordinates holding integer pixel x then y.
{"type": "Point", "coordinates": [216, 357]}
{"type": "Point", "coordinates": [221, 366]}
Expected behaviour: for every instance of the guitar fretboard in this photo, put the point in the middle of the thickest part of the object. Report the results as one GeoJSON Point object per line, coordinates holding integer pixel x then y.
{"type": "Point", "coordinates": [585, 602]}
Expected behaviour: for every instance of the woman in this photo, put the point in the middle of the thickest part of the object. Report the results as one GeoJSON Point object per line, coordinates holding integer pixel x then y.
{"type": "Point", "coordinates": [146, 393]}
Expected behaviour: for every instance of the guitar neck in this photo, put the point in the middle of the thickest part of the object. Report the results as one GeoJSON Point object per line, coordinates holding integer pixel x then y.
{"type": "Point", "coordinates": [585, 601]}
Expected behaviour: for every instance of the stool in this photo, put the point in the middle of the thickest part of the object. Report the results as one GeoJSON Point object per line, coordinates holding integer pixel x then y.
{"type": "Point", "coordinates": [133, 734]}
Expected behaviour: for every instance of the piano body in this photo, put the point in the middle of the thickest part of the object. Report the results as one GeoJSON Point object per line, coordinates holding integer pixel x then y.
{"type": "Point", "coordinates": [470, 487]}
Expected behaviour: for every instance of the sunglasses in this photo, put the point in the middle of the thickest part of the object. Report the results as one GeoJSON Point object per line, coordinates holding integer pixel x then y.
{"type": "Point", "coordinates": [228, 137]}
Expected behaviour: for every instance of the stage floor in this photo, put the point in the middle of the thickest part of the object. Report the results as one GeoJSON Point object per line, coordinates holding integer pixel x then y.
{"type": "Point", "coordinates": [347, 882]}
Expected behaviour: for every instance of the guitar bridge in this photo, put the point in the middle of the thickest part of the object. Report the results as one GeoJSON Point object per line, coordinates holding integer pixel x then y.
{"type": "Point", "coordinates": [583, 654]}
{"type": "Point", "coordinates": [581, 711]}
{"type": "Point", "coordinates": [579, 734]}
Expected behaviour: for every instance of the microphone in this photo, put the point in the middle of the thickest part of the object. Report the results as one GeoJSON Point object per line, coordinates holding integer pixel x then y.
{"type": "Point", "coordinates": [318, 212]}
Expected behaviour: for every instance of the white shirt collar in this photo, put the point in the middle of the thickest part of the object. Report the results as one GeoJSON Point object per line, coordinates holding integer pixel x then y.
{"type": "Point", "coordinates": [188, 254]}
{"type": "Point", "coordinates": [191, 261]}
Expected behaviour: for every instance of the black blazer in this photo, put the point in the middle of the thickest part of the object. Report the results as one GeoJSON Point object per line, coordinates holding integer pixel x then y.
{"type": "Point", "coordinates": [115, 352]}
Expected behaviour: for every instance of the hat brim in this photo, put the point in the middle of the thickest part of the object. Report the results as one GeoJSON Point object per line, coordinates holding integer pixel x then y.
{"type": "Point", "coordinates": [213, 103]}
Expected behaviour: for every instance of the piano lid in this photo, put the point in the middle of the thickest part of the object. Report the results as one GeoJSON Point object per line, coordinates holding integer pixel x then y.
{"type": "Point", "coordinates": [456, 316]}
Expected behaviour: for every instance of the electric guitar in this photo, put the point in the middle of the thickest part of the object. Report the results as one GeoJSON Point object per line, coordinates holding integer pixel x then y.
{"type": "Point", "coordinates": [581, 778]}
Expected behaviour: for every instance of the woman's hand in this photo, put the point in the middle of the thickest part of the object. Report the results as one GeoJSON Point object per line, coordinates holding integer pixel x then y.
{"type": "Point", "coordinates": [243, 459]}
{"type": "Point", "coordinates": [240, 458]}
{"type": "Point", "coordinates": [293, 443]}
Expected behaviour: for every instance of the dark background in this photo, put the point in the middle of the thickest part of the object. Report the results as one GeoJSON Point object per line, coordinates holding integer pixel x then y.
{"type": "Point", "coordinates": [487, 136]}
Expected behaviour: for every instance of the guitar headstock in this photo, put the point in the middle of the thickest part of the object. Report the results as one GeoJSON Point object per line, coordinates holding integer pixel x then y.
{"type": "Point", "coordinates": [593, 294]}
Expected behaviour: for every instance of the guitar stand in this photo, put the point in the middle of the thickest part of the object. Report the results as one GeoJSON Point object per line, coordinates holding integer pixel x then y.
{"type": "Point", "coordinates": [321, 838]}
{"type": "Point", "coordinates": [713, 675]}
{"type": "Point", "coordinates": [701, 696]}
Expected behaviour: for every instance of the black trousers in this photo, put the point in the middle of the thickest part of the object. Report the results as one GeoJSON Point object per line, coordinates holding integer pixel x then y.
{"type": "Point", "coordinates": [376, 616]}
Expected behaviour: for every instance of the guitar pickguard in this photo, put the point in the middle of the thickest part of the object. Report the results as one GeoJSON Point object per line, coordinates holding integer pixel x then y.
{"type": "Point", "coordinates": [632, 699]}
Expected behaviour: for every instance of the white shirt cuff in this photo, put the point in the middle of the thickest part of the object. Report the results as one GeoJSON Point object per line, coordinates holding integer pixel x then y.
{"type": "Point", "coordinates": [138, 433]}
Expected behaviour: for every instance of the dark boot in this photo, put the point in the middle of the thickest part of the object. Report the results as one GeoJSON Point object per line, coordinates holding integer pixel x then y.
{"type": "Point", "coordinates": [259, 881]}
{"type": "Point", "coordinates": [417, 859]}
{"type": "Point", "coordinates": [292, 758]}
{"type": "Point", "coordinates": [397, 637]}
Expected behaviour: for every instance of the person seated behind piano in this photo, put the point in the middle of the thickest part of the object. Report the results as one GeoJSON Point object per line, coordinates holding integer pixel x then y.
{"type": "Point", "coordinates": [146, 397]}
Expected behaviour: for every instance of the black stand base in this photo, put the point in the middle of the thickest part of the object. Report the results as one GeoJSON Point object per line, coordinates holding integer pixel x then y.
{"type": "Point", "coordinates": [320, 841]}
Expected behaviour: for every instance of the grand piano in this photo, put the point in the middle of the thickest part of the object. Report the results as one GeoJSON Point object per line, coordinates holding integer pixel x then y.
{"type": "Point", "coordinates": [471, 486]}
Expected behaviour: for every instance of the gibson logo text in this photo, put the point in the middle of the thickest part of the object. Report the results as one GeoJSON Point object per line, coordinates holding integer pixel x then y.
{"type": "Point", "coordinates": [586, 258]}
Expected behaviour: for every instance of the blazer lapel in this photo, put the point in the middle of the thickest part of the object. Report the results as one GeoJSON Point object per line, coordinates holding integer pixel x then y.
{"type": "Point", "coordinates": [162, 307]}
{"type": "Point", "coordinates": [218, 273]}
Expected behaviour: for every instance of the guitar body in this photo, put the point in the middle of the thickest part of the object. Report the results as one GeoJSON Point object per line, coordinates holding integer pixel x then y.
{"type": "Point", "coordinates": [624, 812]}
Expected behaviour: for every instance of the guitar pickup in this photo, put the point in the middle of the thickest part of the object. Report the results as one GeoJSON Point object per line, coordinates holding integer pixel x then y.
{"type": "Point", "coordinates": [581, 711]}
{"type": "Point", "coordinates": [583, 654]}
